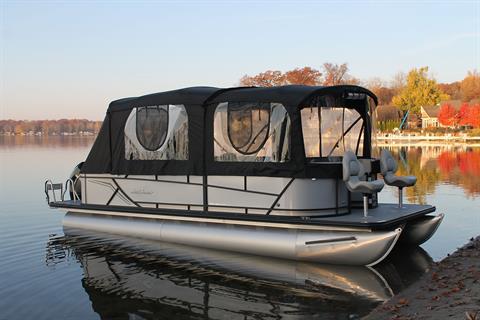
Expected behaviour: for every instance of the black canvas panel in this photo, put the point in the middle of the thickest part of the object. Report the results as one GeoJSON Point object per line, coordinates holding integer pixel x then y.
{"type": "Point", "coordinates": [99, 159]}
{"type": "Point", "coordinates": [191, 96]}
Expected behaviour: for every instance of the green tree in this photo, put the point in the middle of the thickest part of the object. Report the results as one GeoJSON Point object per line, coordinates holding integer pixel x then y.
{"type": "Point", "coordinates": [420, 90]}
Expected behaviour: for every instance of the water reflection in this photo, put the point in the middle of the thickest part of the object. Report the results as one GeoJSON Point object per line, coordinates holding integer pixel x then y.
{"type": "Point", "coordinates": [434, 165]}
{"type": "Point", "coordinates": [126, 277]}
{"type": "Point", "coordinates": [15, 142]}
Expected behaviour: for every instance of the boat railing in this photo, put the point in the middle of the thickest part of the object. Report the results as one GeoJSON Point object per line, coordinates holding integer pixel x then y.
{"type": "Point", "coordinates": [51, 187]}
{"type": "Point", "coordinates": [70, 184]}
{"type": "Point", "coordinates": [51, 190]}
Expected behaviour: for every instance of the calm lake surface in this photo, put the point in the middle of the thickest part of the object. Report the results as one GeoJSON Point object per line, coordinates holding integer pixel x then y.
{"type": "Point", "coordinates": [47, 272]}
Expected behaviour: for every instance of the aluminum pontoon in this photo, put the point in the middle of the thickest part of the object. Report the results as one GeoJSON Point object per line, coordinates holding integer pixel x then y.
{"type": "Point", "coordinates": [286, 172]}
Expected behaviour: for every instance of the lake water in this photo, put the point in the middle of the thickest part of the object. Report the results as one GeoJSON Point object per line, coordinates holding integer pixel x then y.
{"type": "Point", "coordinates": [47, 272]}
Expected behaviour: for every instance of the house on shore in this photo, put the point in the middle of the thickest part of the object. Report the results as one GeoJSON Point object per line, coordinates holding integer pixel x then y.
{"type": "Point", "coordinates": [429, 114]}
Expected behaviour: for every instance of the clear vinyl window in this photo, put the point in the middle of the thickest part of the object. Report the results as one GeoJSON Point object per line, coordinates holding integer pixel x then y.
{"type": "Point", "coordinates": [151, 126]}
{"type": "Point", "coordinates": [251, 131]}
{"type": "Point", "coordinates": [157, 133]}
{"type": "Point", "coordinates": [248, 126]}
{"type": "Point", "coordinates": [330, 129]}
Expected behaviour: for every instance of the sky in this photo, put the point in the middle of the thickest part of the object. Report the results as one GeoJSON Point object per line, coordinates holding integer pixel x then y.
{"type": "Point", "coordinates": [69, 59]}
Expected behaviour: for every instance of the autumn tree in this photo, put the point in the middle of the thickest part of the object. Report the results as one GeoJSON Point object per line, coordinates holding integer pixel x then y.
{"type": "Point", "coordinates": [265, 79]}
{"type": "Point", "coordinates": [452, 89]}
{"type": "Point", "coordinates": [398, 83]}
{"type": "Point", "coordinates": [335, 74]}
{"type": "Point", "coordinates": [420, 90]}
{"type": "Point", "coordinates": [474, 115]}
{"type": "Point", "coordinates": [469, 115]}
{"type": "Point", "coordinates": [470, 86]}
{"type": "Point", "coordinates": [384, 95]}
{"type": "Point", "coordinates": [447, 115]}
{"type": "Point", "coordinates": [381, 90]}
{"type": "Point", "coordinates": [463, 114]}
{"type": "Point", "coordinates": [306, 76]}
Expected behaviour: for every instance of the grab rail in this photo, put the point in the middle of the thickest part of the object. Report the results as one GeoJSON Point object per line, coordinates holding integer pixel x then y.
{"type": "Point", "coordinates": [50, 186]}
{"type": "Point", "coordinates": [70, 183]}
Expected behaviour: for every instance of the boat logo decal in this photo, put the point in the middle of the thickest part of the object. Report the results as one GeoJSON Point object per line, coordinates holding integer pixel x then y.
{"type": "Point", "coordinates": [141, 191]}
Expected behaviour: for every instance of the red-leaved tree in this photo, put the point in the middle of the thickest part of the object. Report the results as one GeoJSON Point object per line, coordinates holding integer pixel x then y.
{"type": "Point", "coordinates": [464, 114]}
{"type": "Point", "coordinates": [474, 115]}
{"type": "Point", "coordinates": [447, 115]}
{"type": "Point", "coordinates": [469, 115]}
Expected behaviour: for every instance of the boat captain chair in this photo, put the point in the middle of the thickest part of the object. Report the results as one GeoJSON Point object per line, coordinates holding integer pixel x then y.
{"type": "Point", "coordinates": [352, 172]}
{"type": "Point", "coordinates": [388, 167]}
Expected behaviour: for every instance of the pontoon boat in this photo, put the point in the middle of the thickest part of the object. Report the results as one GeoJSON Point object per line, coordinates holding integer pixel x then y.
{"type": "Point", "coordinates": [286, 172]}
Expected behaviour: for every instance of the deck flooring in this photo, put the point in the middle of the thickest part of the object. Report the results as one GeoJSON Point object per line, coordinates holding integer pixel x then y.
{"type": "Point", "coordinates": [385, 212]}
{"type": "Point", "coordinates": [384, 216]}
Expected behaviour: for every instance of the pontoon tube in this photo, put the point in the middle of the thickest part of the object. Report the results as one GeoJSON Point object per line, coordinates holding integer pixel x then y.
{"type": "Point", "coordinates": [335, 247]}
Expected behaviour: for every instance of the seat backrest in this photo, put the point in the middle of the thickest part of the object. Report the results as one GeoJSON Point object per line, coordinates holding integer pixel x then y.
{"type": "Point", "coordinates": [387, 163]}
{"type": "Point", "coordinates": [351, 166]}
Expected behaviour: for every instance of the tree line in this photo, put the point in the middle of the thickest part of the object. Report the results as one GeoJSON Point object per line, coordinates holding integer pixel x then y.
{"type": "Point", "coordinates": [49, 127]}
{"type": "Point", "coordinates": [330, 74]}
{"type": "Point", "coordinates": [408, 92]}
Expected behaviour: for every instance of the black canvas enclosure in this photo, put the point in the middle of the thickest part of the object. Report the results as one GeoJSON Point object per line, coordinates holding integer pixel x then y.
{"type": "Point", "coordinates": [199, 106]}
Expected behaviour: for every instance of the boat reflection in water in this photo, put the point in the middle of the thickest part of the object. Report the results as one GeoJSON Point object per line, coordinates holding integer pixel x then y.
{"type": "Point", "coordinates": [142, 279]}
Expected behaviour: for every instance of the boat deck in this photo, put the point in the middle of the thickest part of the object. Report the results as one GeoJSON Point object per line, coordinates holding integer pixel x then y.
{"type": "Point", "coordinates": [384, 213]}
{"type": "Point", "coordinates": [382, 217]}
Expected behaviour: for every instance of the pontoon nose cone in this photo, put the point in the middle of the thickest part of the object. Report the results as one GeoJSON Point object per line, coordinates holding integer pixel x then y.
{"type": "Point", "coordinates": [422, 229]}
{"type": "Point", "coordinates": [361, 248]}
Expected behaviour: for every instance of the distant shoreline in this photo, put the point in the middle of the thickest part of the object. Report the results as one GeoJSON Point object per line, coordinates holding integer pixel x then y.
{"type": "Point", "coordinates": [428, 144]}
{"type": "Point", "coordinates": [427, 140]}
{"type": "Point", "coordinates": [61, 127]}
{"type": "Point", "coordinates": [414, 137]}
{"type": "Point", "coordinates": [63, 134]}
